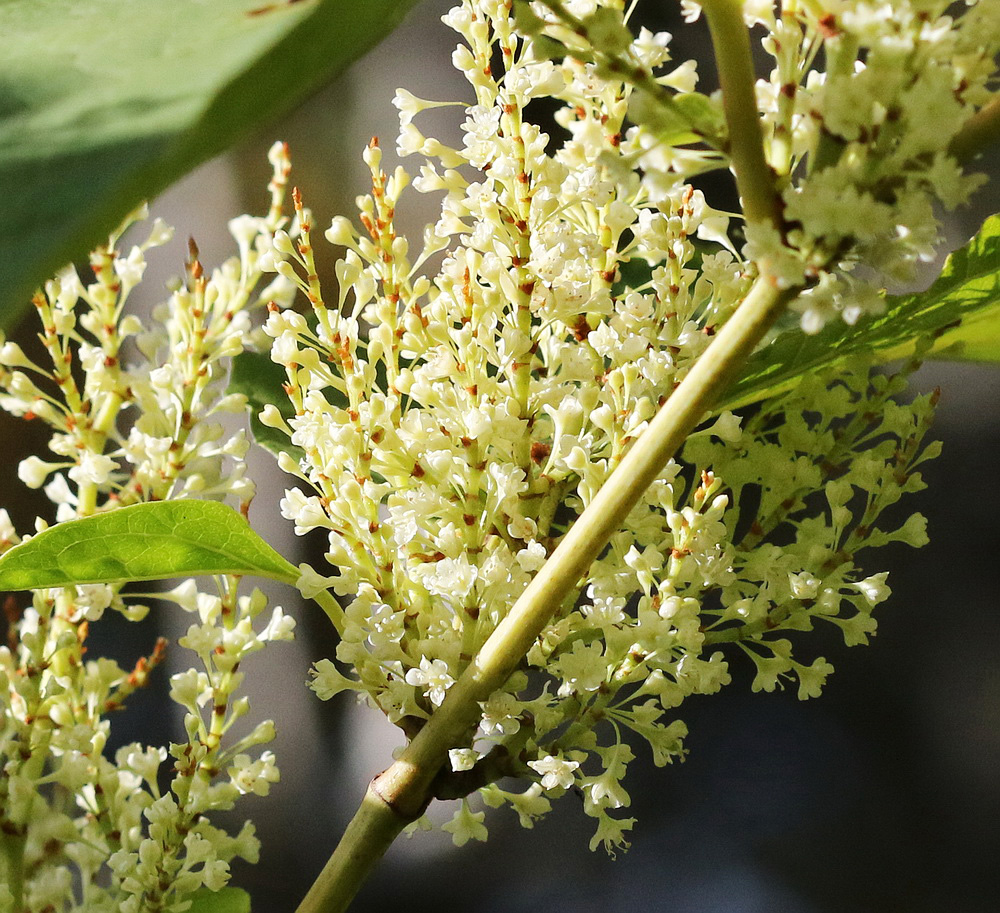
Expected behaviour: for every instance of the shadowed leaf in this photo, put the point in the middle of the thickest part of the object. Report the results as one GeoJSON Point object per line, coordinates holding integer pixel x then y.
{"type": "Point", "coordinates": [103, 104]}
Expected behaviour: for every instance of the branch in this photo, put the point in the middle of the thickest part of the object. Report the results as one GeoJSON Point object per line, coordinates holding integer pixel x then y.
{"type": "Point", "coordinates": [754, 177]}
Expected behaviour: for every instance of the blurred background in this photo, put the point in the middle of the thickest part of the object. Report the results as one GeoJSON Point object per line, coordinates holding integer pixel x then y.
{"type": "Point", "coordinates": [881, 796]}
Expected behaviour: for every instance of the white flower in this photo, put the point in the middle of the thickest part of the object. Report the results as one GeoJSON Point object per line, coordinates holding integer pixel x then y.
{"type": "Point", "coordinates": [466, 825]}
{"type": "Point", "coordinates": [433, 677]}
{"type": "Point", "coordinates": [307, 512]}
{"type": "Point", "coordinates": [874, 588]}
{"type": "Point", "coordinates": [34, 471]}
{"type": "Point", "coordinates": [93, 468]}
{"type": "Point", "coordinates": [327, 680]}
{"type": "Point", "coordinates": [131, 268]}
{"type": "Point", "coordinates": [279, 627]}
{"type": "Point", "coordinates": [804, 585]}
{"type": "Point", "coordinates": [452, 578]}
{"type": "Point", "coordinates": [255, 777]}
{"type": "Point", "coordinates": [190, 688]}
{"type": "Point", "coordinates": [557, 773]}
{"type": "Point", "coordinates": [462, 758]}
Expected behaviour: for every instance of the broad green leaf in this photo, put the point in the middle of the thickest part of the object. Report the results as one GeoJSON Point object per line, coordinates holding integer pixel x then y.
{"type": "Point", "coordinates": [261, 381]}
{"type": "Point", "coordinates": [226, 900]}
{"type": "Point", "coordinates": [143, 542]}
{"type": "Point", "coordinates": [104, 103]}
{"type": "Point", "coordinates": [960, 311]}
{"type": "Point", "coordinates": [976, 339]}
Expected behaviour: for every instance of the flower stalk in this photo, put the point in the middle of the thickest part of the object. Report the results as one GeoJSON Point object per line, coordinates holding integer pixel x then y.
{"type": "Point", "coordinates": [745, 145]}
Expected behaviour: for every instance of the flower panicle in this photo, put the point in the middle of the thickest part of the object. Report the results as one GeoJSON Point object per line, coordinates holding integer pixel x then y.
{"type": "Point", "coordinates": [463, 403]}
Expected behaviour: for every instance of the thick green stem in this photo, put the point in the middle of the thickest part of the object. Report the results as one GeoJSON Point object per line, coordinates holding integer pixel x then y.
{"type": "Point", "coordinates": [731, 43]}
{"type": "Point", "coordinates": [370, 833]}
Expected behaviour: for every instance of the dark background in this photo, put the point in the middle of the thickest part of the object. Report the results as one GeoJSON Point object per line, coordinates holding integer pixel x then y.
{"type": "Point", "coordinates": [880, 796]}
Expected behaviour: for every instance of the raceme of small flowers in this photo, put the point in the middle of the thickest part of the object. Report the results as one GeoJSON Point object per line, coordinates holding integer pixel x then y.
{"type": "Point", "coordinates": [457, 408]}
{"type": "Point", "coordinates": [859, 144]}
{"type": "Point", "coordinates": [130, 833]}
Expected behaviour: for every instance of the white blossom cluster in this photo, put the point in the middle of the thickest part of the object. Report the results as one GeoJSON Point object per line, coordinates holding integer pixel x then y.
{"type": "Point", "coordinates": [865, 144]}
{"type": "Point", "coordinates": [859, 113]}
{"type": "Point", "coordinates": [82, 830]}
{"type": "Point", "coordinates": [456, 408]}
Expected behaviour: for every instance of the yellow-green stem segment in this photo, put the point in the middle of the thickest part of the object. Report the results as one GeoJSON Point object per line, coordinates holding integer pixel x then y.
{"type": "Point", "coordinates": [745, 145]}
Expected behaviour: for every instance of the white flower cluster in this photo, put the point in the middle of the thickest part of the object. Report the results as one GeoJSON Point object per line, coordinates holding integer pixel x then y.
{"type": "Point", "coordinates": [860, 146]}
{"type": "Point", "coordinates": [83, 831]}
{"type": "Point", "coordinates": [451, 423]}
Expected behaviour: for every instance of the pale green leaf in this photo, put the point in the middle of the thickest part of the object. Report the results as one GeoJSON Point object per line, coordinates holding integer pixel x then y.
{"type": "Point", "coordinates": [960, 312]}
{"type": "Point", "coordinates": [226, 900]}
{"type": "Point", "coordinates": [104, 103]}
{"type": "Point", "coordinates": [143, 542]}
{"type": "Point", "coordinates": [678, 119]}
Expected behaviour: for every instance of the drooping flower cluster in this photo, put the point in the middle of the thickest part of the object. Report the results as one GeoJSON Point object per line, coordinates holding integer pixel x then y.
{"type": "Point", "coordinates": [871, 136]}
{"type": "Point", "coordinates": [81, 830]}
{"type": "Point", "coordinates": [452, 421]}
{"type": "Point", "coordinates": [861, 147]}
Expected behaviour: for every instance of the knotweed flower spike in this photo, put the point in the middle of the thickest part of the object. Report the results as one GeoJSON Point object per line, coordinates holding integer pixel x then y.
{"type": "Point", "coordinates": [82, 830]}
{"type": "Point", "coordinates": [458, 404]}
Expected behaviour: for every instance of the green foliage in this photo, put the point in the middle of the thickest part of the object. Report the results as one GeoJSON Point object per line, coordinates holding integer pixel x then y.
{"type": "Point", "coordinates": [960, 311]}
{"type": "Point", "coordinates": [103, 104]}
{"type": "Point", "coordinates": [227, 900]}
{"type": "Point", "coordinates": [143, 542]}
{"type": "Point", "coordinates": [689, 117]}
{"type": "Point", "coordinates": [260, 380]}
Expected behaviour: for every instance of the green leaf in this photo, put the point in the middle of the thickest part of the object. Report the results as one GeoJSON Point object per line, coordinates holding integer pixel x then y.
{"type": "Point", "coordinates": [103, 104]}
{"type": "Point", "coordinates": [679, 119]}
{"type": "Point", "coordinates": [226, 900]}
{"type": "Point", "coordinates": [960, 311]}
{"type": "Point", "coordinates": [262, 381]}
{"type": "Point", "coordinates": [143, 542]}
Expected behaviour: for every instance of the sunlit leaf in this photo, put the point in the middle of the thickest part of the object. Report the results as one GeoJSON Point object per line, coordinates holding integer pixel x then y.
{"type": "Point", "coordinates": [960, 311]}
{"type": "Point", "coordinates": [143, 542]}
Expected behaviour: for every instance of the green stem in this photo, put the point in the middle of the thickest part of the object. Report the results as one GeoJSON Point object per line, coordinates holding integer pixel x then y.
{"type": "Point", "coordinates": [326, 601]}
{"type": "Point", "coordinates": [733, 58]}
{"type": "Point", "coordinates": [370, 833]}
{"type": "Point", "coordinates": [400, 794]}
